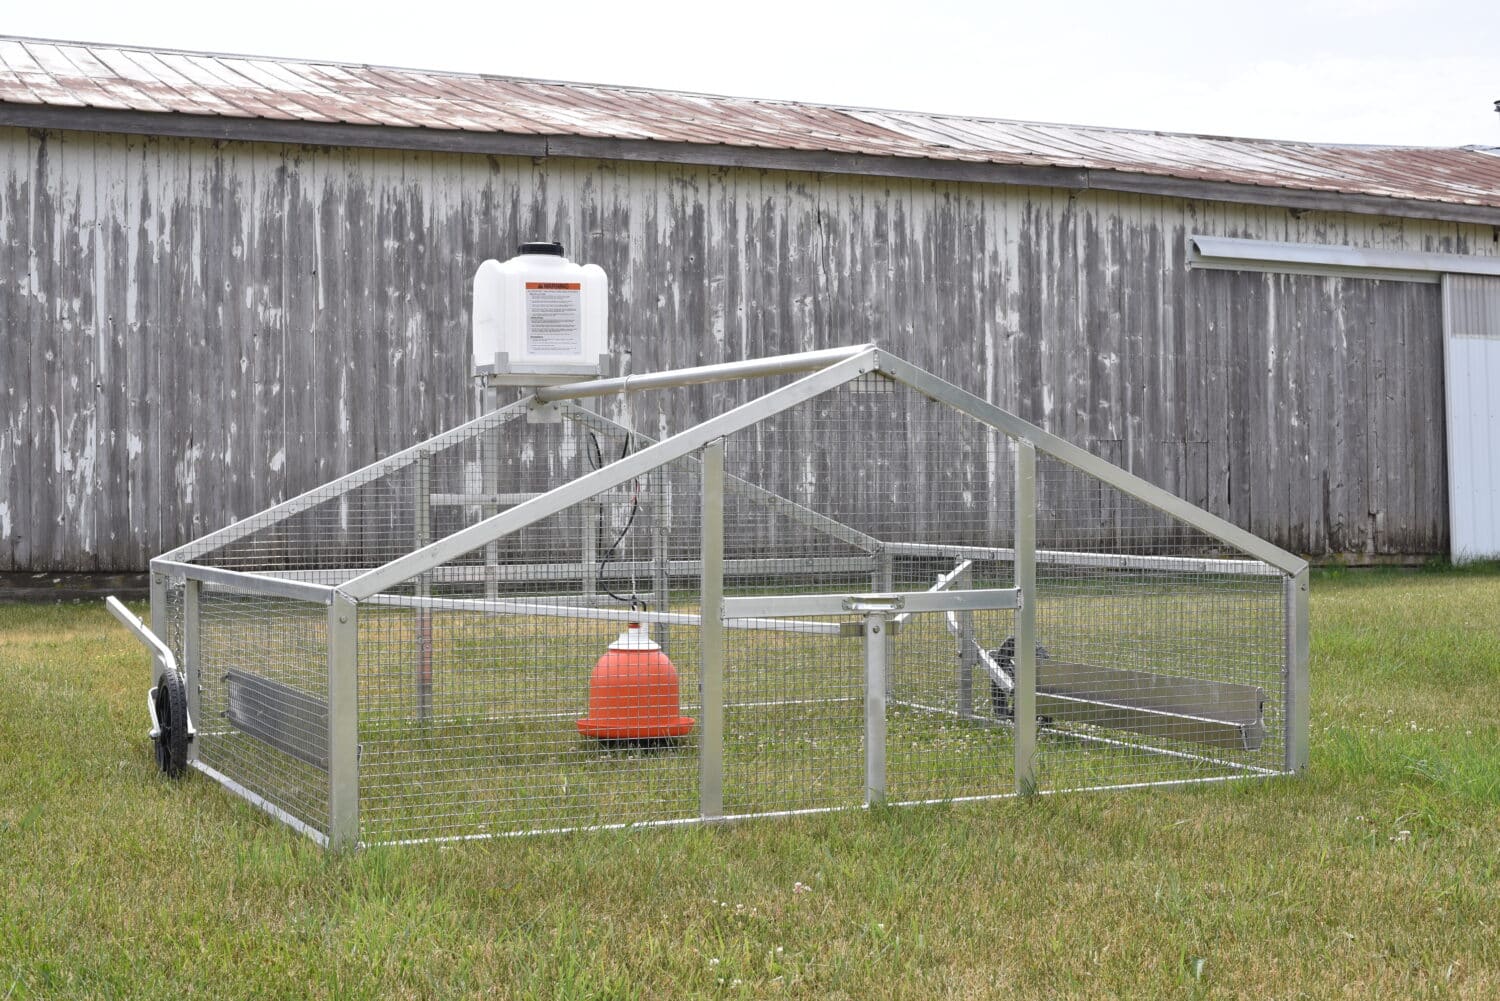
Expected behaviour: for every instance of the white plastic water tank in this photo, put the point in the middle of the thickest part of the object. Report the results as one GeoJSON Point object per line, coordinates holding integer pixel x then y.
{"type": "Point", "coordinates": [539, 315]}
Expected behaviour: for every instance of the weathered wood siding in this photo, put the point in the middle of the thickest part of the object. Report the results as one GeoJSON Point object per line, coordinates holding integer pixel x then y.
{"type": "Point", "coordinates": [193, 330]}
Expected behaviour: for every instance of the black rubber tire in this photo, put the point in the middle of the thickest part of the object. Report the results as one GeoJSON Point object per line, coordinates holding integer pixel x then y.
{"type": "Point", "coordinates": [171, 720]}
{"type": "Point", "coordinates": [1000, 706]}
{"type": "Point", "coordinates": [1000, 701]}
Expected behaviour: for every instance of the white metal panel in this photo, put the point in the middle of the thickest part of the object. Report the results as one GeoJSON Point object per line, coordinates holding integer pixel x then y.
{"type": "Point", "coordinates": [1230, 254]}
{"type": "Point", "coordinates": [1471, 354]}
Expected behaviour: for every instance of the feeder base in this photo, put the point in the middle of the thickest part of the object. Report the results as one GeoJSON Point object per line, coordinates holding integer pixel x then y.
{"type": "Point", "coordinates": [625, 730]}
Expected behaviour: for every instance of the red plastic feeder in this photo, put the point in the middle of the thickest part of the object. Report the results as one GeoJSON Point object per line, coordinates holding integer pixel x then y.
{"type": "Point", "coordinates": [633, 692]}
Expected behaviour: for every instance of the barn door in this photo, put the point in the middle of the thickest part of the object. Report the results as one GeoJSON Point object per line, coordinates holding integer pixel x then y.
{"type": "Point", "coordinates": [1471, 368]}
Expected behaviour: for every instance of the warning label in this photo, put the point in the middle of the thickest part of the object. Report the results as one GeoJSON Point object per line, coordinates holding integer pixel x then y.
{"type": "Point", "coordinates": [554, 318]}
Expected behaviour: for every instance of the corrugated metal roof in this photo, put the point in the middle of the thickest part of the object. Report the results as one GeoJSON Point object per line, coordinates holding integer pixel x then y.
{"type": "Point", "coordinates": [123, 78]}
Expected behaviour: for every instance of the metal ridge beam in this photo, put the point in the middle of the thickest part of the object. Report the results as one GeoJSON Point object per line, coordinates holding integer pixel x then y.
{"type": "Point", "coordinates": [729, 371]}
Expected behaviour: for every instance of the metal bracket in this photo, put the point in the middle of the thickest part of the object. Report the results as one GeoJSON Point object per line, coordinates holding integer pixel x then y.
{"type": "Point", "coordinates": [889, 602]}
{"type": "Point", "coordinates": [155, 731]}
{"type": "Point", "coordinates": [503, 372]}
{"type": "Point", "coordinates": [544, 413]}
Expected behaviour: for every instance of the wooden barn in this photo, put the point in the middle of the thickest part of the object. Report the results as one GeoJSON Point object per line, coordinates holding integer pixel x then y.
{"type": "Point", "coordinates": [226, 279]}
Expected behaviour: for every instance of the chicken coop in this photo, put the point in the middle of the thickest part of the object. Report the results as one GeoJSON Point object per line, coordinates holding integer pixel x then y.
{"type": "Point", "coordinates": [547, 619]}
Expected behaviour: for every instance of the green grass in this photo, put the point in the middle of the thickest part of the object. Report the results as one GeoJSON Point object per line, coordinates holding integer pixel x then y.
{"type": "Point", "coordinates": [1377, 874]}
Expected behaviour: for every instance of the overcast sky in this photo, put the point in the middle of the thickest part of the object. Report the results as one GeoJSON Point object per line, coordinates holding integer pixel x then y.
{"type": "Point", "coordinates": [1378, 71]}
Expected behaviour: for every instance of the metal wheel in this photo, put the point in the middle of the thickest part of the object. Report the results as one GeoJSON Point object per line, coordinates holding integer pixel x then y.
{"type": "Point", "coordinates": [172, 724]}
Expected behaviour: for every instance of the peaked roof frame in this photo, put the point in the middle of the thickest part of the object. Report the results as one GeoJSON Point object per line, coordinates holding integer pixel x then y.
{"type": "Point", "coordinates": [824, 370]}
{"type": "Point", "coordinates": [856, 362]}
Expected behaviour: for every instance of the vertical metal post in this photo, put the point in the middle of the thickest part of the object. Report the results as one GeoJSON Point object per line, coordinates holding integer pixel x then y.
{"type": "Point", "coordinates": [343, 722]}
{"type": "Point", "coordinates": [1296, 682]}
{"type": "Point", "coordinates": [489, 462]}
{"type": "Point", "coordinates": [885, 582]}
{"type": "Point", "coordinates": [968, 658]}
{"type": "Point", "coordinates": [875, 662]}
{"type": "Point", "coordinates": [661, 556]}
{"type": "Point", "coordinates": [1024, 697]}
{"type": "Point", "coordinates": [159, 618]}
{"type": "Point", "coordinates": [192, 655]}
{"type": "Point", "coordinates": [423, 622]}
{"type": "Point", "coordinates": [711, 642]}
{"type": "Point", "coordinates": [591, 517]}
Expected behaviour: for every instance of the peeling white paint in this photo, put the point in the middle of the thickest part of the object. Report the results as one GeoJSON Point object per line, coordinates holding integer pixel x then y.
{"type": "Point", "coordinates": [392, 334]}
{"type": "Point", "coordinates": [186, 473]}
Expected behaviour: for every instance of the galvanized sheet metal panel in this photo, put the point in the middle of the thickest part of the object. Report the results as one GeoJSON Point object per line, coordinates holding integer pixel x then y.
{"type": "Point", "coordinates": [1471, 328]}
{"type": "Point", "coordinates": [49, 73]}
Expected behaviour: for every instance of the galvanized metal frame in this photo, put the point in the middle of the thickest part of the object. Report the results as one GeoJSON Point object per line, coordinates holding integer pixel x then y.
{"type": "Point", "coordinates": [711, 637]}
{"type": "Point", "coordinates": [560, 610]}
{"type": "Point", "coordinates": [806, 361]}
{"type": "Point", "coordinates": [258, 801]}
{"type": "Point", "coordinates": [264, 584]}
{"type": "Point", "coordinates": [677, 568]}
{"type": "Point", "coordinates": [158, 584]}
{"type": "Point", "coordinates": [343, 722]}
{"type": "Point", "coordinates": [1024, 696]}
{"type": "Point", "coordinates": [962, 627]}
{"type": "Point", "coordinates": [771, 606]}
{"type": "Point", "coordinates": [192, 654]}
{"type": "Point", "coordinates": [882, 612]}
{"type": "Point", "coordinates": [1107, 561]}
{"type": "Point", "coordinates": [1297, 684]}
{"type": "Point", "coordinates": [876, 655]}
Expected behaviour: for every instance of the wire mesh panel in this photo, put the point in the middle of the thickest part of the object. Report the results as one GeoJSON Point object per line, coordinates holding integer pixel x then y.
{"type": "Point", "coordinates": [948, 723]}
{"type": "Point", "coordinates": [386, 510]}
{"type": "Point", "coordinates": [263, 684]}
{"type": "Point", "coordinates": [479, 681]}
{"type": "Point", "coordinates": [851, 519]}
{"type": "Point", "coordinates": [1160, 649]}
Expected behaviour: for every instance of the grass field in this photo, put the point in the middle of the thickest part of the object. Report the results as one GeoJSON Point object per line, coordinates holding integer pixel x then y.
{"type": "Point", "coordinates": [1375, 875]}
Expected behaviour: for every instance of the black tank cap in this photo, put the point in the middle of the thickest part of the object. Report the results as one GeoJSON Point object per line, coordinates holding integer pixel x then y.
{"type": "Point", "coordinates": [555, 249]}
